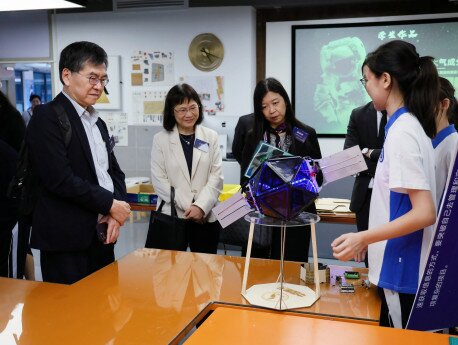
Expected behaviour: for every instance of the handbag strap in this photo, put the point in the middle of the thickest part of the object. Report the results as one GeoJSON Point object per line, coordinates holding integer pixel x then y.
{"type": "Point", "coordinates": [173, 210]}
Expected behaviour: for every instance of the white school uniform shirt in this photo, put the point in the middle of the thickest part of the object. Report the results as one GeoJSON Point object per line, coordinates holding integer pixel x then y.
{"type": "Point", "coordinates": [406, 162]}
{"type": "Point", "coordinates": [445, 145]}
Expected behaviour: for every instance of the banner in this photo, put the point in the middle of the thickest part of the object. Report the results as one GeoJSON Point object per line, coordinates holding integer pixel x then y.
{"type": "Point", "coordinates": [436, 302]}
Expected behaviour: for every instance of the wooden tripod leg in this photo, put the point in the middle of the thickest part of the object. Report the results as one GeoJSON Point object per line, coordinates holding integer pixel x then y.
{"type": "Point", "coordinates": [247, 257]}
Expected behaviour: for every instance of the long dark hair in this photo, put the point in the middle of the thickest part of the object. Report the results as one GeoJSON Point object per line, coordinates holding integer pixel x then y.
{"type": "Point", "coordinates": [12, 130]}
{"type": "Point", "coordinates": [448, 91]}
{"type": "Point", "coordinates": [261, 125]}
{"type": "Point", "coordinates": [416, 76]}
{"type": "Point", "coordinates": [178, 95]}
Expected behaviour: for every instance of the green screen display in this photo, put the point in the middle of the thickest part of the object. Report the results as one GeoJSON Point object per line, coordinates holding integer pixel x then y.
{"type": "Point", "coordinates": [327, 61]}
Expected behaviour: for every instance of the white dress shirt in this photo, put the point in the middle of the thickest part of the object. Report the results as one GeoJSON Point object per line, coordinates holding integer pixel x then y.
{"type": "Point", "coordinates": [98, 148]}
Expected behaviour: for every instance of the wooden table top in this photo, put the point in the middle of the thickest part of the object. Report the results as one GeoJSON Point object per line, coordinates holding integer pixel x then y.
{"type": "Point", "coordinates": [326, 217]}
{"type": "Point", "coordinates": [152, 297]}
{"type": "Point", "coordinates": [228, 326]}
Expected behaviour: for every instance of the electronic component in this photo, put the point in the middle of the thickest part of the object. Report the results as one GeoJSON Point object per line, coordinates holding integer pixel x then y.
{"type": "Point", "coordinates": [347, 288]}
{"type": "Point", "coordinates": [366, 283]}
{"type": "Point", "coordinates": [351, 275]}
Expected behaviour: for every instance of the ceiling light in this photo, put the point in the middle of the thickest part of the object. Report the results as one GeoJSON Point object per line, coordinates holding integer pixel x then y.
{"type": "Point", "coordinates": [27, 5]}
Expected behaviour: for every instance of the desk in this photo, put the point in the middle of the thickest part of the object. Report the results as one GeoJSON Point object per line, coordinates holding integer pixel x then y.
{"type": "Point", "coordinates": [341, 218]}
{"type": "Point", "coordinates": [152, 297]}
{"type": "Point", "coordinates": [228, 326]}
{"type": "Point", "coordinates": [142, 207]}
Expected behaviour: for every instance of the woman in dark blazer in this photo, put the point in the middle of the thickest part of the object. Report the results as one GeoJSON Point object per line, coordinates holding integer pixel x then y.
{"type": "Point", "coordinates": [276, 124]}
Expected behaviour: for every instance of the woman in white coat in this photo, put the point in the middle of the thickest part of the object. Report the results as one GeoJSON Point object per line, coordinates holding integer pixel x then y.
{"type": "Point", "coordinates": [186, 156]}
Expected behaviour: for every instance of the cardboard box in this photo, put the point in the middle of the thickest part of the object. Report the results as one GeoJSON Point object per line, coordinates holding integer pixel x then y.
{"type": "Point", "coordinates": [142, 193]}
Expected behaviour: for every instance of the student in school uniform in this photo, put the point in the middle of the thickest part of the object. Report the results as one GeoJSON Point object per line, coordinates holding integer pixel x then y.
{"type": "Point", "coordinates": [446, 140]}
{"type": "Point", "coordinates": [403, 208]}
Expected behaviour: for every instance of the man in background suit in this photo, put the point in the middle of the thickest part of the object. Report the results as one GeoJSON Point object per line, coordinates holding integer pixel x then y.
{"type": "Point", "coordinates": [366, 128]}
{"type": "Point", "coordinates": [81, 183]}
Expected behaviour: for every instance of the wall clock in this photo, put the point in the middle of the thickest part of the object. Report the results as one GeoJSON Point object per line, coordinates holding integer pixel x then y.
{"type": "Point", "coordinates": [206, 52]}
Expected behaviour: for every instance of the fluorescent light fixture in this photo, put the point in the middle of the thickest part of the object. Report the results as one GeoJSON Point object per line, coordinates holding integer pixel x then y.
{"type": "Point", "coordinates": [27, 5]}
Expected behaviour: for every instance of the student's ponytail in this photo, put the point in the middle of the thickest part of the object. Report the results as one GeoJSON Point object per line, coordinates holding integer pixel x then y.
{"type": "Point", "coordinates": [422, 98]}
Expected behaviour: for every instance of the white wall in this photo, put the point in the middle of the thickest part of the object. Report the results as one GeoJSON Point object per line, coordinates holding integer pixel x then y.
{"type": "Point", "coordinates": [24, 35]}
{"type": "Point", "coordinates": [122, 33]}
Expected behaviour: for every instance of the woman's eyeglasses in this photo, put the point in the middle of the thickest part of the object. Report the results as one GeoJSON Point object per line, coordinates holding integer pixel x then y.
{"type": "Point", "coordinates": [183, 110]}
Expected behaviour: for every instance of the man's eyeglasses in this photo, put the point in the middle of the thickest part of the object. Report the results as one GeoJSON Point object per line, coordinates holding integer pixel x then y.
{"type": "Point", "coordinates": [93, 80]}
{"type": "Point", "coordinates": [183, 110]}
{"type": "Point", "coordinates": [363, 81]}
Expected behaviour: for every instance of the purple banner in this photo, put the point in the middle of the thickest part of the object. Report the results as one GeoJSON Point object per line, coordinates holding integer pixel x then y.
{"type": "Point", "coordinates": [436, 302]}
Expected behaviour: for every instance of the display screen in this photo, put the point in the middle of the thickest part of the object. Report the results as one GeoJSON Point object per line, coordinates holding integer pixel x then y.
{"type": "Point", "coordinates": [327, 61]}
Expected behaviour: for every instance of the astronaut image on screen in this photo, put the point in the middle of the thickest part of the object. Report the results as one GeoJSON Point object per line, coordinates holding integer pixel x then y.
{"type": "Point", "coordinates": [340, 90]}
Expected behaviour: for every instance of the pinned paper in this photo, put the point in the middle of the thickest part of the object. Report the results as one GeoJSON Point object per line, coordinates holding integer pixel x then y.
{"type": "Point", "coordinates": [231, 209]}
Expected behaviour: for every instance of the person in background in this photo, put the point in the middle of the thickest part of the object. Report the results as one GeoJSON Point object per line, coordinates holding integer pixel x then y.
{"type": "Point", "coordinates": [186, 156]}
{"type": "Point", "coordinates": [446, 140]}
{"type": "Point", "coordinates": [12, 133]}
{"type": "Point", "coordinates": [82, 185]}
{"type": "Point", "coordinates": [8, 207]}
{"type": "Point", "coordinates": [366, 128]}
{"type": "Point", "coordinates": [34, 101]}
{"type": "Point", "coordinates": [403, 208]}
{"type": "Point", "coordinates": [276, 124]}
{"type": "Point", "coordinates": [244, 124]}
{"type": "Point", "coordinates": [12, 129]}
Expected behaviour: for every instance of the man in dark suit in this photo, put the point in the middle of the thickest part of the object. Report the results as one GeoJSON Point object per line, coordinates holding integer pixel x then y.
{"type": "Point", "coordinates": [244, 124]}
{"type": "Point", "coordinates": [366, 128]}
{"type": "Point", "coordinates": [81, 183]}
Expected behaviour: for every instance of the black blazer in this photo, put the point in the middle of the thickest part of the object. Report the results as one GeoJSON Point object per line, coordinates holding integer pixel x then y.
{"type": "Point", "coordinates": [8, 207]}
{"type": "Point", "coordinates": [310, 148]}
{"type": "Point", "coordinates": [362, 131]}
{"type": "Point", "coordinates": [244, 125]}
{"type": "Point", "coordinates": [66, 213]}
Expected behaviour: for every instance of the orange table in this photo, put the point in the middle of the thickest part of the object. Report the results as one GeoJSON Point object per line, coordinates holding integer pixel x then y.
{"type": "Point", "coordinates": [237, 326]}
{"type": "Point", "coordinates": [151, 297]}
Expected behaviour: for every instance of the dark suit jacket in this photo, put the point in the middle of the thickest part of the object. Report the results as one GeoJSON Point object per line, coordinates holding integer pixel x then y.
{"type": "Point", "coordinates": [66, 213]}
{"type": "Point", "coordinates": [362, 131]}
{"type": "Point", "coordinates": [244, 125]}
{"type": "Point", "coordinates": [8, 207]}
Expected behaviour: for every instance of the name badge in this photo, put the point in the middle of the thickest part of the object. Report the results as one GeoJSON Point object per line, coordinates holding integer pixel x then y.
{"type": "Point", "coordinates": [201, 145]}
{"type": "Point", "coordinates": [300, 134]}
{"type": "Point", "coordinates": [112, 143]}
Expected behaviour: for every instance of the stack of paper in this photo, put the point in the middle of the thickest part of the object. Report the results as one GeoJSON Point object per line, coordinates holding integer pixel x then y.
{"type": "Point", "coordinates": [333, 205]}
